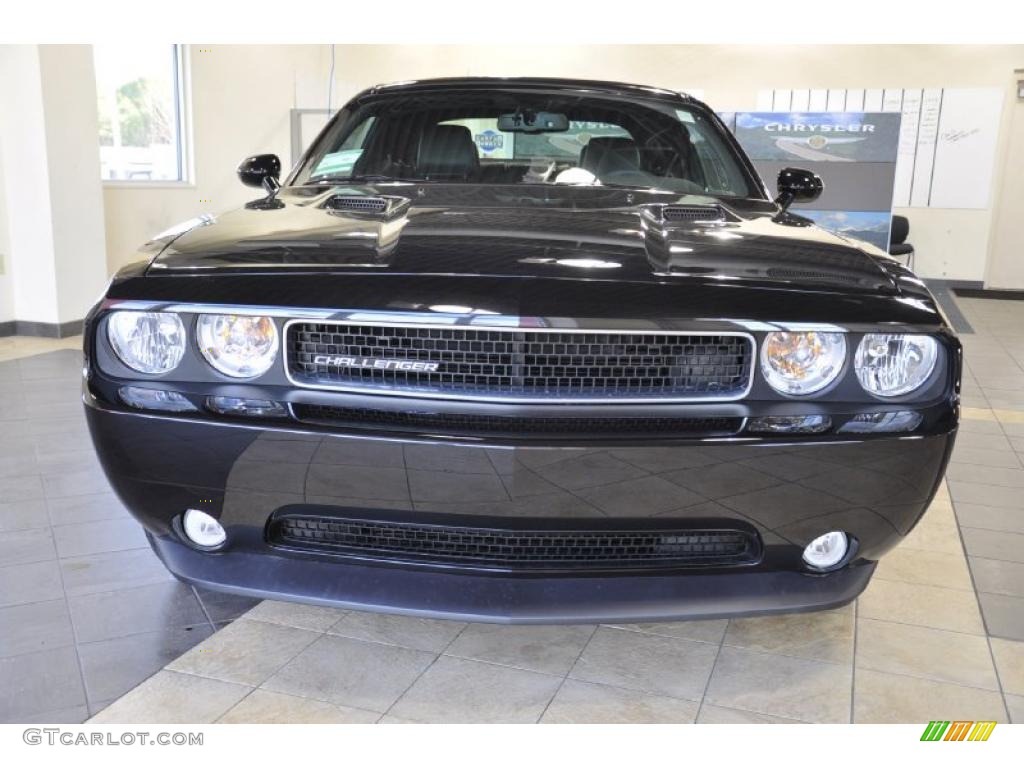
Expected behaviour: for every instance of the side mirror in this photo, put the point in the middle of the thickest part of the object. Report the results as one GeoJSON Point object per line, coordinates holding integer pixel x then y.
{"type": "Point", "coordinates": [261, 171]}
{"type": "Point", "coordinates": [796, 185]}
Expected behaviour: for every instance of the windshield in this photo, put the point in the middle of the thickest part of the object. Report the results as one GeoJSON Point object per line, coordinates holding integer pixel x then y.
{"type": "Point", "coordinates": [528, 138]}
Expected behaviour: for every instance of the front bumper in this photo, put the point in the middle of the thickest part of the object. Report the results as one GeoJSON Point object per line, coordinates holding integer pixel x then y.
{"type": "Point", "coordinates": [789, 491]}
{"type": "Point", "coordinates": [513, 600]}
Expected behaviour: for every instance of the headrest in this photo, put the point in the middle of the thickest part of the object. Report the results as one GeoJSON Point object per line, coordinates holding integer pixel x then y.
{"type": "Point", "coordinates": [607, 154]}
{"type": "Point", "coordinates": [447, 151]}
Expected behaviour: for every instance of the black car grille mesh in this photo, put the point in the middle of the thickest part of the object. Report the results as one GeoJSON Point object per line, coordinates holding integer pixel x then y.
{"type": "Point", "coordinates": [515, 549]}
{"type": "Point", "coordinates": [549, 426]}
{"type": "Point", "coordinates": [520, 364]}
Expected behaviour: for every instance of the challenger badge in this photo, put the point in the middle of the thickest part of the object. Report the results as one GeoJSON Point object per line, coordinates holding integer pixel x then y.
{"type": "Point", "coordinates": [376, 363]}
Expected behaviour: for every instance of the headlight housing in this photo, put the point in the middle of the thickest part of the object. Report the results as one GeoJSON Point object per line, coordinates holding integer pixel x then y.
{"type": "Point", "coordinates": [148, 342]}
{"type": "Point", "coordinates": [240, 346]}
{"type": "Point", "coordinates": [894, 364]}
{"type": "Point", "coordinates": [802, 362]}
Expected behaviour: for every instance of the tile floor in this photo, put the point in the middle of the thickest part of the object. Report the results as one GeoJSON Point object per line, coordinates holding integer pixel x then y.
{"type": "Point", "coordinates": [939, 629]}
{"type": "Point", "coordinates": [87, 612]}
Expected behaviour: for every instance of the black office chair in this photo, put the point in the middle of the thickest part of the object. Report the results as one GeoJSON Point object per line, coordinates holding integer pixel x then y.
{"type": "Point", "coordinates": [898, 245]}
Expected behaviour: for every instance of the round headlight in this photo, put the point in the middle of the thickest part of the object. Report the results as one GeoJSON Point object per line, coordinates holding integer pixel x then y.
{"type": "Point", "coordinates": [238, 345]}
{"type": "Point", "coordinates": [893, 364]}
{"type": "Point", "coordinates": [803, 362]}
{"type": "Point", "coordinates": [148, 342]}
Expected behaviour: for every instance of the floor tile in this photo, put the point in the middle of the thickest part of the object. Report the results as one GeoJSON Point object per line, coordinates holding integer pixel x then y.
{"type": "Point", "coordinates": [1015, 706]}
{"type": "Point", "coordinates": [1000, 577]}
{"type": "Point", "coordinates": [262, 706]}
{"type": "Point", "coordinates": [314, 617]}
{"type": "Point", "coordinates": [464, 691]}
{"type": "Point", "coordinates": [23, 547]}
{"type": "Point", "coordinates": [802, 689]}
{"type": "Point", "coordinates": [969, 457]}
{"type": "Point", "coordinates": [579, 702]}
{"type": "Point", "coordinates": [81, 483]}
{"type": "Point", "coordinates": [102, 616]}
{"type": "Point", "coordinates": [246, 652]}
{"type": "Point", "coordinates": [351, 672]}
{"type": "Point", "coordinates": [551, 649]}
{"type": "Point", "coordinates": [823, 635]}
{"type": "Point", "coordinates": [708, 631]}
{"type": "Point", "coordinates": [21, 488]}
{"type": "Point", "coordinates": [887, 698]}
{"type": "Point", "coordinates": [935, 533]}
{"type": "Point", "coordinates": [918, 566]}
{"type": "Point", "coordinates": [111, 571]}
{"type": "Point", "coordinates": [224, 606]}
{"type": "Point", "coordinates": [67, 715]}
{"type": "Point", "coordinates": [654, 663]}
{"type": "Point", "coordinates": [926, 606]}
{"type": "Point", "coordinates": [991, 518]}
{"type": "Point", "coordinates": [1004, 615]}
{"type": "Point", "coordinates": [113, 667]}
{"type": "Point", "coordinates": [997, 545]}
{"type": "Point", "coordinates": [30, 583]}
{"type": "Point", "coordinates": [172, 697]}
{"type": "Point", "coordinates": [34, 627]}
{"type": "Point", "coordinates": [713, 714]}
{"type": "Point", "coordinates": [935, 654]}
{"type": "Point", "coordinates": [391, 629]}
{"type": "Point", "coordinates": [86, 509]}
{"type": "Point", "coordinates": [40, 682]}
{"type": "Point", "coordinates": [986, 495]}
{"type": "Point", "coordinates": [1009, 656]}
{"type": "Point", "coordinates": [98, 536]}
{"type": "Point", "coordinates": [21, 515]}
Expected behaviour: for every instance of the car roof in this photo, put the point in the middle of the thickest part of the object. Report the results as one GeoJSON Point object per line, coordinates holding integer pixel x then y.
{"type": "Point", "coordinates": [516, 83]}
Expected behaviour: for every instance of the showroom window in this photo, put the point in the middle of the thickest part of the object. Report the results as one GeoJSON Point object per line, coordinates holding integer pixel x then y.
{"type": "Point", "coordinates": [140, 92]}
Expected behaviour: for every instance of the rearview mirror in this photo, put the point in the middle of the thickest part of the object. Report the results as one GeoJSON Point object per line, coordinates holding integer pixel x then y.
{"type": "Point", "coordinates": [261, 171]}
{"type": "Point", "coordinates": [796, 185]}
{"type": "Point", "coordinates": [533, 122]}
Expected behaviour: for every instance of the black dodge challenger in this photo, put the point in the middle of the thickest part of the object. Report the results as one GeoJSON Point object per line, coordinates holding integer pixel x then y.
{"type": "Point", "coordinates": [522, 350]}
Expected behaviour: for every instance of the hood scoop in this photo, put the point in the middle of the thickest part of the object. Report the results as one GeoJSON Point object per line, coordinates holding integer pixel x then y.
{"type": "Point", "coordinates": [383, 207]}
{"type": "Point", "coordinates": [687, 214]}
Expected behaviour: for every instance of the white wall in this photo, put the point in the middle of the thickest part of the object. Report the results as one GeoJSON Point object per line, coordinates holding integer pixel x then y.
{"type": "Point", "coordinates": [76, 193]}
{"type": "Point", "coordinates": [6, 294]}
{"type": "Point", "coordinates": [26, 183]}
{"type": "Point", "coordinates": [242, 94]}
{"type": "Point", "coordinates": [53, 240]}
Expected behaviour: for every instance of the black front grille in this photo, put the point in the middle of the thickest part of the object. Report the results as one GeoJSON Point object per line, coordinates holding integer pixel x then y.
{"type": "Point", "coordinates": [520, 548]}
{"type": "Point", "coordinates": [492, 425]}
{"type": "Point", "coordinates": [517, 364]}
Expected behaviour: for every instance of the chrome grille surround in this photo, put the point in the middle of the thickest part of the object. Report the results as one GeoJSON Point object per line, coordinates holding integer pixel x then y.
{"type": "Point", "coordinates": [503, 363]}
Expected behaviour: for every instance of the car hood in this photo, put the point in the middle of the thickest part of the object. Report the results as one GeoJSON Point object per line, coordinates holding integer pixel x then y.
{"type": "Point", "coordinates": [574, 233]}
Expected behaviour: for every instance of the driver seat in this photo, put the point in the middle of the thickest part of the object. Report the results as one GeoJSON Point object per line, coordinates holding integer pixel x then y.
{"type": "Point", "coordinates": [609, 154]}
{"type": "Point", "coordinates": [447, 152]}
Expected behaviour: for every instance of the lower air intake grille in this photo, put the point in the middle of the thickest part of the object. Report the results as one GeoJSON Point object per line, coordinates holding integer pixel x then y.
{"type": "Point", "coordinates": [520, 549]}
{"type": "Point", "coordinates": [497, 426]}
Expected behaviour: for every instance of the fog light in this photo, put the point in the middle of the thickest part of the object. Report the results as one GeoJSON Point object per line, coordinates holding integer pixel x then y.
{"type": "Point", "coordinates": [203, 529]}
{"type": "Point", "coordinates": [827, 551]}
{"type": "Point", "coordinates": [893, 421]}
{"type": "Point", "coordinates": [789, 424]}
{"type": "Point", "coordinates": [242, 406]}
{"type": "Point", "coordinates": [156, 399]}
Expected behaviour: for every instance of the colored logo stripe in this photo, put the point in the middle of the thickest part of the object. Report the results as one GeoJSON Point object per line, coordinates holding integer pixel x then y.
{"type": "Point", "coordinates": [958, 730]}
